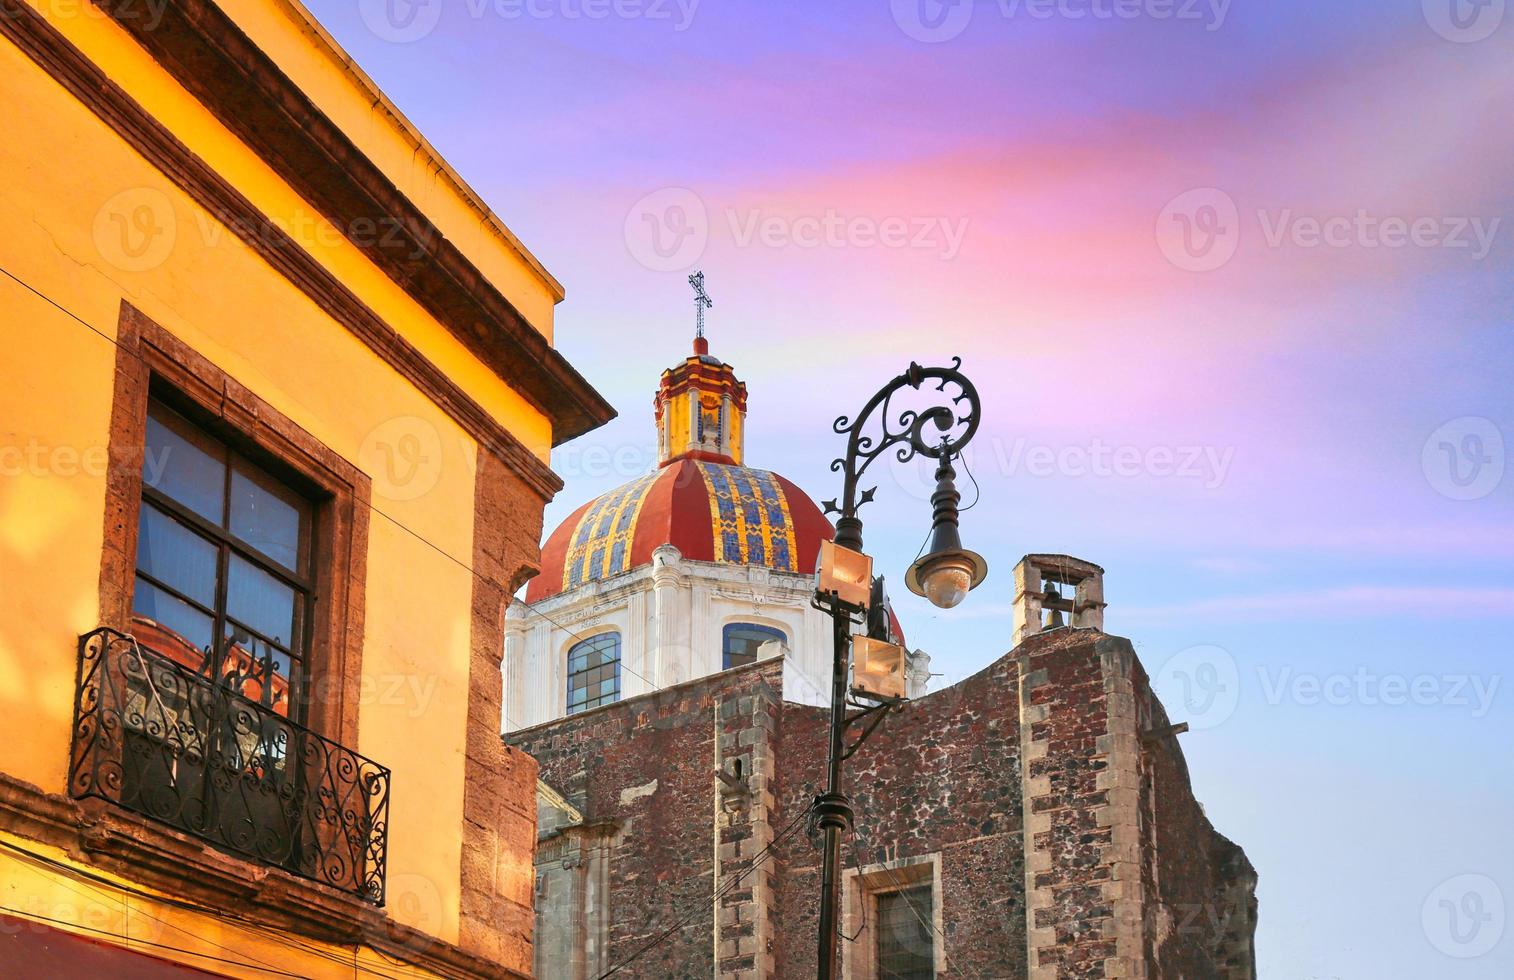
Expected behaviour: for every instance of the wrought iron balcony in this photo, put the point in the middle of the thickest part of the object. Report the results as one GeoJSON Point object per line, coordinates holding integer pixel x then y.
{"type": "Point", "coordinates": [205, 753]}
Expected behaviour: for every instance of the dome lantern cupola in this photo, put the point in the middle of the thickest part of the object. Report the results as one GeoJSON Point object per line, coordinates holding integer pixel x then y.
{"type": "Point", "coordinates": [702, 499]}
{"type": "Point", "coordinates": [701, 410]}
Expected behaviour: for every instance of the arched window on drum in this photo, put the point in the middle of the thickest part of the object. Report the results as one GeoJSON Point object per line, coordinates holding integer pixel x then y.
{"type": "Point", "coordinates": [743, 640]}
{"type": "Point", "coordinates": [593, 672]}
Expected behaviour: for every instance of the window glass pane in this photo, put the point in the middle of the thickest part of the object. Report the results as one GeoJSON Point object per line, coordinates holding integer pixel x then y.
{"type": "Point", "coordinates": [260, 672]}
{"type": "Point", "coordinates": [268, 517]}
{"type": "Point", "coordinates": [906, 943]}
{"type": "Point", "coordinates": [176, 556]}
{"type": "Point", "coordinates": [261, 602]}
{"type": "Point", "coordinates": [594, 672]}
{"type": "Point", "coordinates": [184, 463]}
{"type": "Point", "coordinates": [193, 628]}
{"type": "Point", "coordinates": [743, 641]}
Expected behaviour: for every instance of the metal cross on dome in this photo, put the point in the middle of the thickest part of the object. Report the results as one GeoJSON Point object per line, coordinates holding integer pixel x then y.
{"type": "Point", "coordinates": [702, 301]}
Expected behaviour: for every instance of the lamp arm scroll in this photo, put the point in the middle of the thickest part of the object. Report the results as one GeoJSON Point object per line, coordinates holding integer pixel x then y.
{"type": "Point", "coordinates": [954, 424]}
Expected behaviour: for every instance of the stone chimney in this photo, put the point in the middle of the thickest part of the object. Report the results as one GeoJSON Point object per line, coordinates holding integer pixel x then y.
{"type": "Point", "coordinates": [1049, 584]}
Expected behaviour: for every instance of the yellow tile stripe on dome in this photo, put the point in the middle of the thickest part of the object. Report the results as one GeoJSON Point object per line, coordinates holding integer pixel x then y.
{"type": "Point", "coordinates": [601, 543]}
{"type": "Point", "coordinates": [750, 516]}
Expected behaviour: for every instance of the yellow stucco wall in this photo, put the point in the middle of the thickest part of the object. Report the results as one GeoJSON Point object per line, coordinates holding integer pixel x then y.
{"type": "Point", "coordinates": [39, 893]}
{"type": "Point", "coordinates": [70, 184]}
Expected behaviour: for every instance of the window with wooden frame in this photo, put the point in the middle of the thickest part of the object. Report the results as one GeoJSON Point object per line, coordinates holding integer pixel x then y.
{"type": "Point", "coordinates": [219, 695]}
{"type": "Point", "coordinates": [224, 579]}
{"type": "Point", "coordinates": [232, 531]}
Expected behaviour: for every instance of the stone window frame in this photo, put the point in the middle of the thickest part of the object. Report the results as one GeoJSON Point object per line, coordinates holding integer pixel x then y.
{"type": "Point", "coordinates": [151, 362]}
{"type": "Point", "coordinates": [859, 890]}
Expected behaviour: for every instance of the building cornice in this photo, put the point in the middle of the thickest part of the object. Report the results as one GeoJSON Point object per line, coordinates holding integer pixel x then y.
{"type": "Point", "coordinates": [210, 56]}
{"type": "Point", "coordinates": [593, 597]}
{"type": "Point", "coordinates": [72, 69]}
{"type": "Point", "coordinates": [94, 832]}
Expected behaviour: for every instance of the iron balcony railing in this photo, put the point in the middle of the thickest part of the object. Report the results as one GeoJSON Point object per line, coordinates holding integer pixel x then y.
{"type": "Point", "coordinates": [191, 750]}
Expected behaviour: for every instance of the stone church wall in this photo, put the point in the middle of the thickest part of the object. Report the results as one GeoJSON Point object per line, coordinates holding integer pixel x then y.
{"type": "Point", "coordinates": [642, 773]}
{"type": "Point", "coordinates": [940, 778]}
{"type": "Point", "coordinates": [1043, 796]}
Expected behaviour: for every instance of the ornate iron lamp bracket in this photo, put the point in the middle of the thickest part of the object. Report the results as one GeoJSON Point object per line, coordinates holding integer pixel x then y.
{"type": "Point", "coordinates": [954, 423]}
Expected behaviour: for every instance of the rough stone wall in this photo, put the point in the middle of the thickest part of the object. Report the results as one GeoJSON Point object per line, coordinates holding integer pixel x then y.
{"type": "Point", "coordinates": [1126, 876]}
{"type": "Point", "coordinates": [1069, 841]}
{"type": "Point", "coordinates": [1069, 845]}
{"type": "Point", "coordinates": [940, 776]}
{"type": "Point", "coordinates": [648, 766]}
{"type": "Point", "coordinates": [1199, 913]}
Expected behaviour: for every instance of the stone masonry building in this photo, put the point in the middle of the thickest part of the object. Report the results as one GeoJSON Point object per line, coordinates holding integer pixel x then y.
{"type": "Point", "coordinates": [1035, 820]}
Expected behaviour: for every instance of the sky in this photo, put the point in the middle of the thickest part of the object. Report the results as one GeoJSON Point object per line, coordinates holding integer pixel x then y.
{"type": "Point", "coordinates": [1234, 281]}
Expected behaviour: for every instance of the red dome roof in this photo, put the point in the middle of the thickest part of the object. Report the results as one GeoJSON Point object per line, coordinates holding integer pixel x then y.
{"type": "Point", "coordinates": [709, 511]}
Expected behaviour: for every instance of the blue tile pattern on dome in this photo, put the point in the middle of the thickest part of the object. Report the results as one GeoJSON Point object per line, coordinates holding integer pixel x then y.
{"type": "Point", "coordinates": [750, 516]}
{"type": "Point", "coordinates": [601, 544]}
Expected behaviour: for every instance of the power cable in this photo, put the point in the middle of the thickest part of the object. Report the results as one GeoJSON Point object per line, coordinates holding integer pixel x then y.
{"type": "Point", "coordinates": [232, 917]}
{"type": "Point", "coordinates": [371, 507]}
{"type": "Point", "coordinates": [721, 893]}
{"type": "Point", "coordinates": [71, 926]}
{"type": "Point", "coordinates": [902, 889]}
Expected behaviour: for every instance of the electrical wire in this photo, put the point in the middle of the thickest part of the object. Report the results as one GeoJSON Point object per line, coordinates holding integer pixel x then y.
{"type": "Point", "coordinates": [239, 920]}
{"type": "Point", "coordinates": [977, 490]}
{"type": "Point", "coordinates": [373, 509]}
{"type": "Point", "coordinates": [71, 926]}
{"type": "Point", "coordinates": [721, 893]}
{"type": "Point", "coordinates": [902, 889]}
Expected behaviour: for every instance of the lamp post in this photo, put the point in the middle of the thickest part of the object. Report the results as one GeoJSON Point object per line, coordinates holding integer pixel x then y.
{"type": "Point", "coordinates": [944, 575]}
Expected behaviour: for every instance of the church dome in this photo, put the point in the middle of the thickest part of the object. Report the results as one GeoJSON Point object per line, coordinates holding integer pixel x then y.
{"type": "Point", "coordinates": [701, 500]}
{"type": "Point", "coordinates": [709, 510]}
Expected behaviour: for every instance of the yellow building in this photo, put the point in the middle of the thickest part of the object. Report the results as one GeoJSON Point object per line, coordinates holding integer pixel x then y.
{"type": "Point", "coordinates": [278, 397]}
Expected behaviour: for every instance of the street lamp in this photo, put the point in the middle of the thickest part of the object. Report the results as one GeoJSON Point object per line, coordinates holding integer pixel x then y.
{"type": "Point", "coordinates": [944, 575]}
